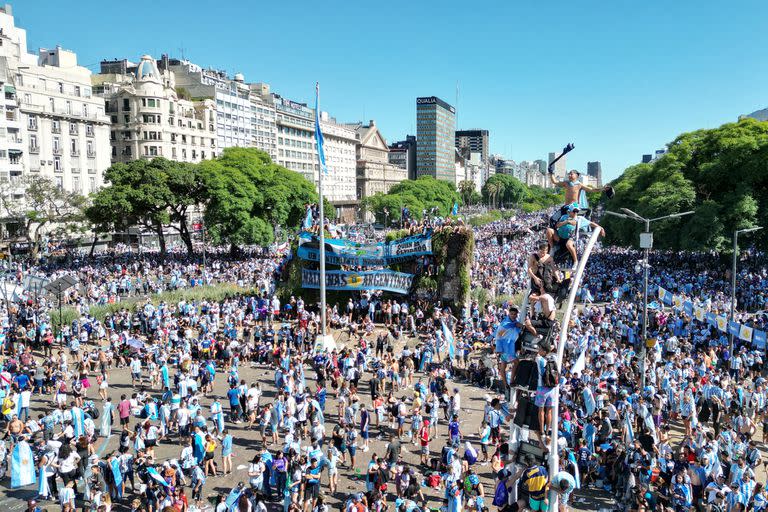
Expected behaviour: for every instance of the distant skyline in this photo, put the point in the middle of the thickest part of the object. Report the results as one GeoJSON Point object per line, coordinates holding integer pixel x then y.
{"type": "Point", "coordinates": [617, 79]}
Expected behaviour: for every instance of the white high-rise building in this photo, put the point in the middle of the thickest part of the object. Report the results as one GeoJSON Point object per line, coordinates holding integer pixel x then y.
{"type": "Point", "coordinates": [52, 125]}
{"type": "Point", "coordinates": [263, 119]}
{"type": "Point", "coordinates": [340, 185]}
{"type": "Point", "coordinates": [297, 150]}
{"type": "Point", "coordinates": [234, 115]}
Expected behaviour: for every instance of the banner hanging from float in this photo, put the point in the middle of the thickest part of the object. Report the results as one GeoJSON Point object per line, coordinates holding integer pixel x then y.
{"type": "Point", "coordinates": [339, 251]}
{"type": "Point", "coordinates": [386, 280]}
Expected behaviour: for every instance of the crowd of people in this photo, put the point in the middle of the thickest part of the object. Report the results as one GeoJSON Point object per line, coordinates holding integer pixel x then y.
{"type": "Point", "coordinates": [183, 391]}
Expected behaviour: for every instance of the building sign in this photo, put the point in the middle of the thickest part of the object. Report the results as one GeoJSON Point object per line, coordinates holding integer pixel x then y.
{"type": "Point", "coordinates": [386, 280]}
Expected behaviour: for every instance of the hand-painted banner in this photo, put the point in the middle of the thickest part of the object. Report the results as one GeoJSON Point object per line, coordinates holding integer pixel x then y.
{"type": "Point", "coordinates": [409, 247]}
{"type": "Point", "coordinates": [386, 280]}
{"type": "Point", "coordinates": [339, 251]}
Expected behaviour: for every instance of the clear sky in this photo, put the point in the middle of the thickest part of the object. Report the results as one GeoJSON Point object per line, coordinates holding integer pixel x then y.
{"type": "Point", "coordinates": [618, 79]}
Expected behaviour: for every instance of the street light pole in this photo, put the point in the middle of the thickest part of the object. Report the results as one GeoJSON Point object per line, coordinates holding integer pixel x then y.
{"type": "Point", "coordinates": [645, 307]}
{"type": "Point", "coordinates": [646, 244]}
{"type": "Point", "coordinates": [733, 281]}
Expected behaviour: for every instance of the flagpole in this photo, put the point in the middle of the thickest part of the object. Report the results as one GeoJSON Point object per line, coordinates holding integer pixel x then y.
{"type": "Point", "coordinates": [322, 214]}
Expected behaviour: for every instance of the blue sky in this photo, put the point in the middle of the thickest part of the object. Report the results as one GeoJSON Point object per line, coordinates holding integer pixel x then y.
{"type": "Point", "coordinates": [618, 79]}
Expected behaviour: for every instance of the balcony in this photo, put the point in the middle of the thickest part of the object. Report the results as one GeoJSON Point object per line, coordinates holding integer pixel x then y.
{"type": "Point", "coordinates": [75, 152]}
{"type": "Point", "coordinates": [89, 131]}
{"type": "Point", "coordinates": [55, 129]}
{"type": "Point", "coordinates": [91, 154]}
{"type": "Point", "coordinates": [33, 108]}
{"type": "Point", "coordinates": [57, 151]}
{"type": "Point", "coordinates": [73, 130]}
{"type": "Point", "coordinates": [34, 150]}
{"type": "Point", "coordinates": [32, 127]}
{"type": "Point", "coordinates": [75, 170]}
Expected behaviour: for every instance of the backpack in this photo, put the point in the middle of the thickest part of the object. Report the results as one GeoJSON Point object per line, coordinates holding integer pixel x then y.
{"type": "Point", "coordinates": [501, 496]}
{"type": "Point", "coordinates": [551, 376]}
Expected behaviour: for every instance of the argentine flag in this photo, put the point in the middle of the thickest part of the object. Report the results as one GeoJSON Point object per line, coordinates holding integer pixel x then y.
{"type": "Point", "coordinates": [22, 466]}
{"type": "Point", "coordinates": [152, 472]}
{"type": "Point", "coordinates": [78, 421]}
{"type": "Point", "coordinates": [448, 336]}
{"type": "Point", "coordinates": [318, 133]}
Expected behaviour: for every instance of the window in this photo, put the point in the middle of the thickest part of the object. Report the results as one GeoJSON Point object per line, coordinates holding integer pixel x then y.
{"type": "Point", "coordinates": [77, 90]}
{"type": "Point", "coordinates": [57, 163]}
{"type": "Point", "coordinates": [52, 104]}
{"type": "Point", "coordinates": [69, 107]}
{"type": "Point", "coordinates": [76, 184]}
{"type": "Point", "coordinates": [60, 182]}
{"type": "Point", "coordinates": [89, 130]}
{"type": "Point", "coordinates": [126, 105]}
{"type": "Point", "coordinates": [27, 98]}
{"type": "Point", "coordinates": [32, 122]}
{"type": "Point", "coordinates": [61, 87]}
{"type": "Point", "coordinates": [73, 146]}
{"type": "Point", "coordinates": [126, 119]}
{"type": "Point", "coordinates": [85, 110]}
{"type": "Point", "coordinates": [56, 144]}
{"type": "Point", "coordinates": [56, 126]}
{"type": "Point", "coordinates": [89, 148]}
{"type": "Point", "coordinates": [33, 142]}
{"type": "Point", "coordinates": [91, 184]}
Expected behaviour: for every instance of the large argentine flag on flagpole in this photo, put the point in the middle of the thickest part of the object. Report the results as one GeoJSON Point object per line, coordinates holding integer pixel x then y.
{"type": "Point", "coordinates": [318, 133]}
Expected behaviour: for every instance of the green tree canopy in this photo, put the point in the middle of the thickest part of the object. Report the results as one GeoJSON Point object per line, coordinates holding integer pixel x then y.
{"type": "Point", "coordinates": [150, 193]}
{"type": "Point", "coordinates": [248, 195]}
{"type": "Point", "coordinates": [418, 195]}
{"type": "Point", "coordinates": [503, 189]}
{"type": "Point", "coordinates": [720, 173]}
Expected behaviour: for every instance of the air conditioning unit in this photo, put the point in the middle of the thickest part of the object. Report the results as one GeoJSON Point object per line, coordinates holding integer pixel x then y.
{"type": "Point", "coordinates": [50, 162]}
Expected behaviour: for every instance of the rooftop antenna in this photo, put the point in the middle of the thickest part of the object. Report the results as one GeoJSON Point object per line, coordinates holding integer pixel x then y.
{"type": "Point", "coordinates": [182, 51]}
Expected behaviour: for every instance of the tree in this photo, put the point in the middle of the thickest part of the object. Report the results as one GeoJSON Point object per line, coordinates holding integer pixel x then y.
{"type": "Point", "coordinates": [138, 194]}
{"type": "Point", "coordinates": [247, 195]}
{"type": "Point", "coordinates": [720, 173]}
{"type": "Point", "coordinates": [424, 193]}
{"type": "Point", "coordinates": [467, 191]}
{"type": "Point", "coordinates": [504, 189]}
{"type": "Point", "coordinates": [44, 209]}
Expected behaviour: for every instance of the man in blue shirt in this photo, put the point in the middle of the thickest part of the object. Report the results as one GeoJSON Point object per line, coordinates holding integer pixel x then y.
{"type": "Point", "coordinates": [234, 403]}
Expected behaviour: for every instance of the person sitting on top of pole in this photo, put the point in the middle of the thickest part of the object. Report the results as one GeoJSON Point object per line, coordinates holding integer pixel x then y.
{"type": "Point", "coordinates": [575, 190]}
